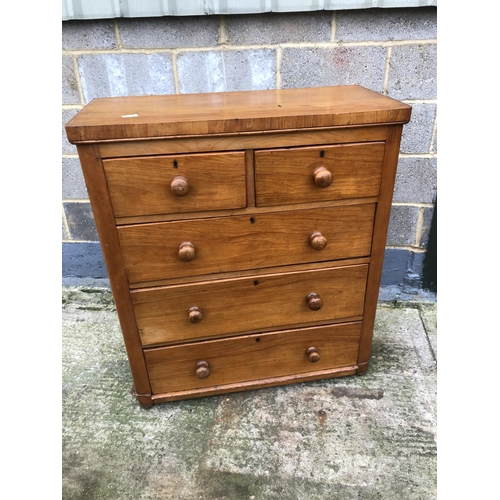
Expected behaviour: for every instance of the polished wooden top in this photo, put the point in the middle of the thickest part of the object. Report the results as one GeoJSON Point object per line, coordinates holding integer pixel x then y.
{"type": "Point", "coordinates": [119, 118]}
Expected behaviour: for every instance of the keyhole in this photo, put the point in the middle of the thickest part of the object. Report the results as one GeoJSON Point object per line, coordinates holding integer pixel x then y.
{"type": "Point", "coordinates": [252, 220]}
{"type": "Point", "coordinates": [322, 153]}
{"type": "Point", "coordinates": [176, 165]}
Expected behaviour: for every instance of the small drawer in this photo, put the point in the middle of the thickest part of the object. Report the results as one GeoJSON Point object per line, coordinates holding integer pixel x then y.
{"type": "Point", "coordinates": [255, 303]}
{"type": "Point", "coordinates": [175, 184]}
{"type": "Point", "coordinates": [177, 249]}
{"type": "Point", "coordinates": [324, 173]}
{"type": "Point", "coordinates": [252, 357]}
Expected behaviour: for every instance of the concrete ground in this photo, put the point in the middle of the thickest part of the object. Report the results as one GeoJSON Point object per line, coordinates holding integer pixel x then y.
{"type": "Point", "coordinates": [368, 437]}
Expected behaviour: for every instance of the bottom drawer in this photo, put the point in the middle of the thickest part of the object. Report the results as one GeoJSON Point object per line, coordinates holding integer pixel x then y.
{"type": "Point", "coordinates": [239, 360]}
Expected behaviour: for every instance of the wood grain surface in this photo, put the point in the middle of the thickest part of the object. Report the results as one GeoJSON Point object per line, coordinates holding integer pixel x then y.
{"type": "Point", "coordinates": [381, 227]}
{"type": "Point", "coordinates": [252, 357]}
{"type": "Point", "coordinates": [285, 176]}
{"type": "Point", "coordinates": [224, 244]}
{"type": "Point", "coordinates": [243, 232]}
{"type": "Point", "coordinates": [142, 186]}
{"type": "Point", "coordinates": [248, 304]}
{"type": "Point", "coordinates": [242, 140]}
{"type": "Point", "coordinates": [215, 113]}
{"type": "Point", "coordinates": [108, 235]}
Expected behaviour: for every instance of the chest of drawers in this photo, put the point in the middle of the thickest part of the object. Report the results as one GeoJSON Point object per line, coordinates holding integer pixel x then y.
{"type": "Point", "coordinates": [243, 232]}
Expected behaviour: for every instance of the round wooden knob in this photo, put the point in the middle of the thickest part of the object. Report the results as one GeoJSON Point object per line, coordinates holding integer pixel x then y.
{"type": "Point", "coordinates": [179, 185]}
{"type": "Point", "coordinates": [313, 354]}
{"type": "Point", "coordinates": [202, 369]}
{"type": "Point", "coordinates": [187, 251]}
{"type": "Point", "coordinates": [318, 241]}
{"type": "Point", "coordinates": [194, 314]}
{"type": "Point", "coordinates": [314, 302]}
{"type": "Point", "coordinates": [322, 177]}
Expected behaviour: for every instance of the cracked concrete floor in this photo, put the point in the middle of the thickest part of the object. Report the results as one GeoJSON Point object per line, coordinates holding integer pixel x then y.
{"type": "Point", "coordinates": [369, 437]}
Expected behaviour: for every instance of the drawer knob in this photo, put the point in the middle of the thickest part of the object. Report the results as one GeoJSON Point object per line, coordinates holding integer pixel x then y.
{"type": "Point", "coordinates": [314, 301]}
{"type": "Point", "coordinates": [313, 354]}
{"type": "Point", "coordinates": [179, 185]}
{"type": "Point", "coordinates": [322, 177]}
{"type": "Point", "coordinates": [187, 251]}
{"type": "Point", "coordinates": [195, 315]}
{"type": "Point", "coordinates": [202, 369]}
{"type": "Point", "coordinates": [318, 241]}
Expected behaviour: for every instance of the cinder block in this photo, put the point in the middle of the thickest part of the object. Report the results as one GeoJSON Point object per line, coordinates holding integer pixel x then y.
{"type": "Point", "coordinates": [65, 234]}
{"type": "Point", "coordinates": [416, 180]}
{"type": "Point", "coordinates": [273, 28]}
{"type": "Point", "coordinates": [387, 24]}
{"type": "Point", "coordinates": [317, 67]}
{"type": "Point", "coordinates": [417, 263]}
{"type": "Point", "coordinates": [87, 35]}
{"type": "Point", "coordinates": [67, 147]}
{"type": "Point", "coordinates": [395, 265]}
{"type": "Point", "coordinates": [414, 270]}
{"type": "Point", "coordinates": [73, 183]}
{"type": "Point", "coordinates": [169, 32]}
{"type": "Point", "coordinates": [219, 71]}
{"type": "Point", "coordinates": [110, 75]}
{"type": "Point", "coordinates": [80, 221]}
{"type": "Point", "coordinates": [413, 72]}
{"type": "Point", "coordinates": [426, 227]}
{"type": "Point", "coordinates": [417, 134]}
{"type": "Point", "coordinates": [403, 226]}
{"type": "Point", "coordinates": [70, 93]}
{"type": "Point", "coordinates": [83, 260]}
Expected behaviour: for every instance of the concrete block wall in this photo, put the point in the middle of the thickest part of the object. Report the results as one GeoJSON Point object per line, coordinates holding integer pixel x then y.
{"type": "Point", "coordinates": [391, 51]}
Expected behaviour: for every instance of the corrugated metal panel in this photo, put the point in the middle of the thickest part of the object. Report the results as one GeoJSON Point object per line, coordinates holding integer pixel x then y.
{"type": "Point", "coordinates": [103, 9]}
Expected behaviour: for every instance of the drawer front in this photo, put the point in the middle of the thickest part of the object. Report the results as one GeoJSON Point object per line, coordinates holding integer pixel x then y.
{"type": "Point", "coordinates": [205, 246]}
{"type": "Point", "coordinates": [213, 309]}
{"type": "Point", "coordinates": [251, 357]}
{"type": "Point", "coordinates": [301, 175]}
{"type": "Point", "coordinates": [183, 183]}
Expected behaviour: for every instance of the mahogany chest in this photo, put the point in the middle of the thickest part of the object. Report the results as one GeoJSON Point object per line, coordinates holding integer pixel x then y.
{"type": "Point", "coordinates": [243, 232]}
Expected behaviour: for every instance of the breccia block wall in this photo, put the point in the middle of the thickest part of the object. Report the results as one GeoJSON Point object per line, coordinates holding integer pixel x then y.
{"type": "Point", "coordinates": [391, 51]}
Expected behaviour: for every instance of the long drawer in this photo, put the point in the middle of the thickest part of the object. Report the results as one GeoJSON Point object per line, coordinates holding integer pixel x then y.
{"type": "Point", "coordinates": [212, 309]}
{"type": "Point", "coordinates": [320, 173]}
{"type": "Point", "coordinates": [252, 357]}
{"type": "Point", "coordinates": [223, 244]}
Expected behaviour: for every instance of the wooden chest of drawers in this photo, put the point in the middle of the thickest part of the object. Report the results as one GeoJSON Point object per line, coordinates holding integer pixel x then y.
{"type": "Point", "coordinates": [243, 232]}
